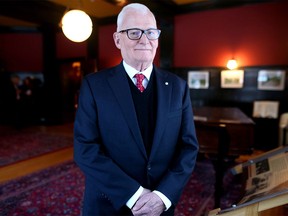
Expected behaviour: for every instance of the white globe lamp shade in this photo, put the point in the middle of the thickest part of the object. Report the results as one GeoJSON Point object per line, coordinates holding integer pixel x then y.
{"type": "Point", "coordinates": [76, 25]}
{"type": "Point", "coordinates": [232, 64]}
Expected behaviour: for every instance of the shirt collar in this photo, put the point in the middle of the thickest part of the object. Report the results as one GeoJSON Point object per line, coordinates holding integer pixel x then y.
{"type": "Point", "coordinates": [132, 71]}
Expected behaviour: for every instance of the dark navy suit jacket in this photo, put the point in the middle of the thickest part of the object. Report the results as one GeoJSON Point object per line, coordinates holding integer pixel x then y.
{"type": "Point", "coordinates": [109, 149]}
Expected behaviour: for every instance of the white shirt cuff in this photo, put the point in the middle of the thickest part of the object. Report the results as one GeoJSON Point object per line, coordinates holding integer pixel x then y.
{"type": "Point", "coordinates": [165, 200]}
{"type": "Point", "coordinates": [130, 203]}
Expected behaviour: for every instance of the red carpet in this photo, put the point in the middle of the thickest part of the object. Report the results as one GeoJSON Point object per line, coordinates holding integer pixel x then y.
{"type": "Point", "coordinates": [16, 146]}
{"type": "Point", "coordinates": [59, 190]}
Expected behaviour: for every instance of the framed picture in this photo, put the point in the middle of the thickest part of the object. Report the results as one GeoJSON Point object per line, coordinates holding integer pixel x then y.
{"type": "Point", "coordinates": [271, 80]}
{"type": "Point", "coordinates": [198, 79]}
{"type": "Point", "coordinates": [265, 109]}
{"type": "Point", "coordinates": [232, 78]}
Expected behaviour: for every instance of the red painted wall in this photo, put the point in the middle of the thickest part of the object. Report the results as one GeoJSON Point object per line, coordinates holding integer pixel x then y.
{"type": "Point", "coordinates": [21, 52]}
{"type": "Point", "coordinates": [68, 49]}
{"type": "Point", "coordinates": [109, 55]}
{"type": "Point", "coordinates": [255, 35]}
{"type": "Point", "coordinates": [24, 52]}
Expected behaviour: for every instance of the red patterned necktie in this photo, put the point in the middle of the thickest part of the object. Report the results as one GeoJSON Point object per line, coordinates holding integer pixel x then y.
{"type": "Point", "coordinates": [140, 78]}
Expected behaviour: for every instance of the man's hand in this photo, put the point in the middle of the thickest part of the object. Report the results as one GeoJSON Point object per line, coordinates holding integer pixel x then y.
{"type": "Point", "coordinates": [145, 191]}
{"type": "Point", "coordinates": [149, 204]}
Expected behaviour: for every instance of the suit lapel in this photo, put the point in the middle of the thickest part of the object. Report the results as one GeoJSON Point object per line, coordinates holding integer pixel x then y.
{"type": "Point", "coordinates": [164, 90]}
{"type": "Point", "coordinates": [120, 86]}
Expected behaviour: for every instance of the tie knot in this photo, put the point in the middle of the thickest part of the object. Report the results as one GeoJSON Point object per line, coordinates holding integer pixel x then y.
{"type": "Point", "coordinates": [140, 77]}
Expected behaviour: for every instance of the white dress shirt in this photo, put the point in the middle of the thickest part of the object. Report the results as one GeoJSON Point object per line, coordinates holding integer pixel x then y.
{"type": "Point", "coordinates": [132, 71]}
{"type": "Point", "coordinates": [147, 73]}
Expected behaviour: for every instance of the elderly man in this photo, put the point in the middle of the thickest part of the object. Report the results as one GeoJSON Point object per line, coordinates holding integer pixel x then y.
{"type": "Point", "coordinates": [134, 133]}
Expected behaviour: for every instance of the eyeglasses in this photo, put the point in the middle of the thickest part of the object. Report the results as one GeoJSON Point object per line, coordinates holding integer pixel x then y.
{"type": "Point", "coordinates": [136, 34]}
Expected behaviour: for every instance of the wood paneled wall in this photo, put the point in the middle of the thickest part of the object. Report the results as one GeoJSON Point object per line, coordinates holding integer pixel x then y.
{"type": "Point", "coordinates": [266, 130]}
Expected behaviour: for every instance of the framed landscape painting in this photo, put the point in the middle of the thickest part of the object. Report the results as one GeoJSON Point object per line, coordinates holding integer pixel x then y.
{"type": "Point", "coordinates": [271, 80]}
{"type": "Point", "coordinates": [232, 78]}
{"type": "Point", "coordinates": [198, 79]}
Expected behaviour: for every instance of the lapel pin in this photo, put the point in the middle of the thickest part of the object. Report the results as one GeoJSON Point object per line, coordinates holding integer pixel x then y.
{"type": "Point", "coordinates": [166, 83]}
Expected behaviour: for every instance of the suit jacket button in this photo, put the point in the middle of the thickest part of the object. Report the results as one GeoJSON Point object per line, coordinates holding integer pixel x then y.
{"type": "Point", "coordinates": [148, 167]}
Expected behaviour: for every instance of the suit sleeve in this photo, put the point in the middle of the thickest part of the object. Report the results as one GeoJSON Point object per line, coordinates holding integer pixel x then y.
{"type": "Point", "coordinates": [180, 170]}
{"type": "Point", "coordinates": [101, 173]}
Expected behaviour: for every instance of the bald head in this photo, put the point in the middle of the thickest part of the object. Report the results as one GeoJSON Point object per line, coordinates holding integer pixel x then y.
{"type": "Point", "coordinates": [131, 9]}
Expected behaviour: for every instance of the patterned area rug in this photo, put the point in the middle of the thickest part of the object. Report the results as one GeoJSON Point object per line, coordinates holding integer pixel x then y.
{"type": "Point", "coordinates": [30, 144]}
{"type": "Point", "coordinates": [54, 191]}
{"type": "Point", "coordinates": [59, 190]}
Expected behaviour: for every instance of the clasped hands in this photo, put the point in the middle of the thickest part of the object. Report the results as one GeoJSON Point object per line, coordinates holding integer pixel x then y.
{"type": "Point", "coordinates": [149, 204]}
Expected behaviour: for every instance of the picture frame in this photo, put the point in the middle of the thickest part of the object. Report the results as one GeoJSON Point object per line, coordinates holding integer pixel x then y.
{"type": "Point", "coordinates": [198, 79]}
{"type": "Point", "coordinates": [265, 109]}
{"type": "Point", "coordinates": [273, 80]}
{"type": "Point", "coordinates": [232, 78]}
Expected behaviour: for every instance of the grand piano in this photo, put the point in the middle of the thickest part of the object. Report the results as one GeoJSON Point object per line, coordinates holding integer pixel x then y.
{"type": "Point", "coordinates": [239, 128]}
{"type": "Point", "coordinates": [223, 132]}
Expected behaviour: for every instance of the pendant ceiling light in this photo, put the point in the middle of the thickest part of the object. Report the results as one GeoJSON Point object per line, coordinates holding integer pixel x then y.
{"type": "Point", "coordinates": [232, 64]}
{"type": "Point", "coordinates": [76, 25]}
